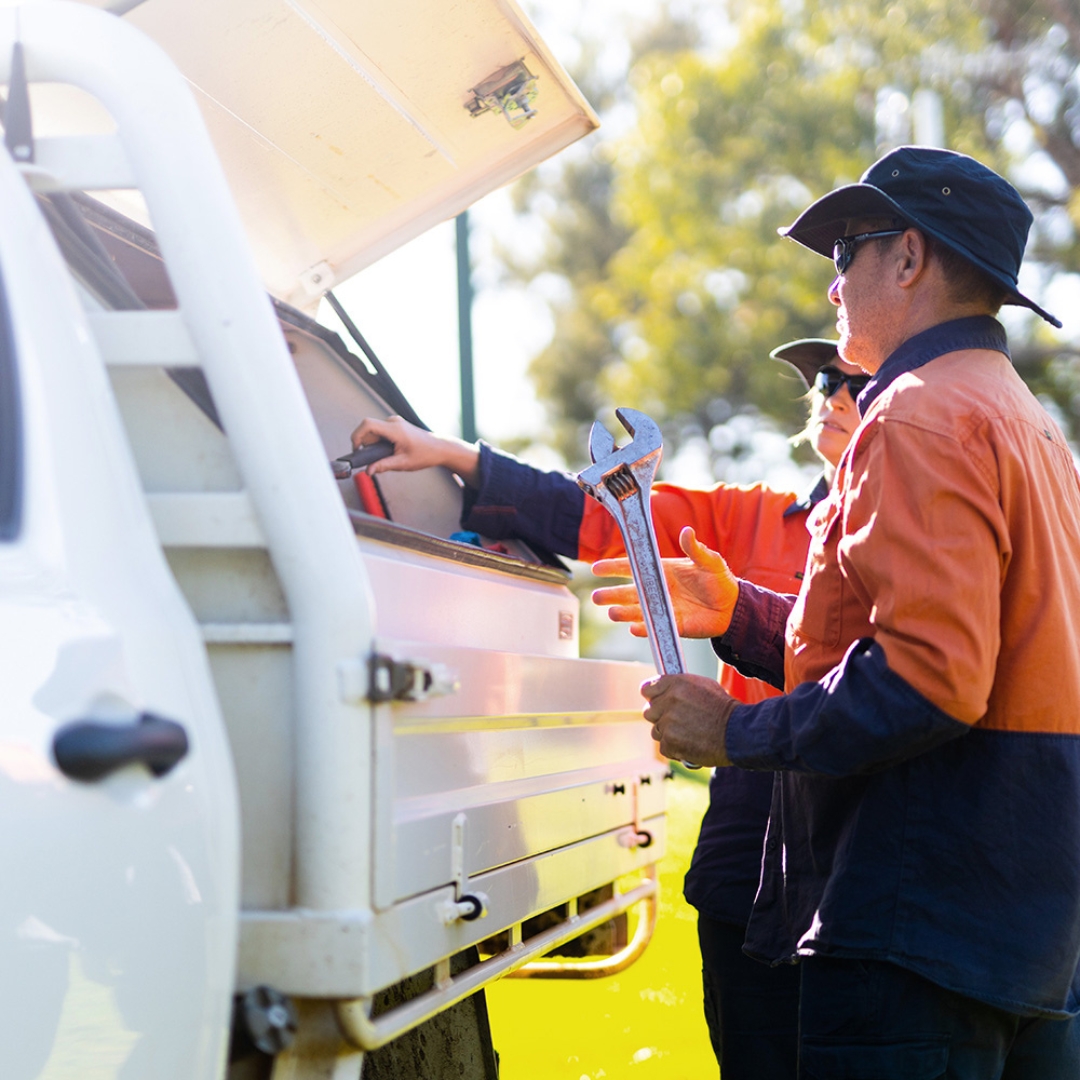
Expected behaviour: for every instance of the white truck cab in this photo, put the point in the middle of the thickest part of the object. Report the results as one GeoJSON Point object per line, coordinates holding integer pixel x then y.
{"type": "Point", "coordinates": [277, 759]}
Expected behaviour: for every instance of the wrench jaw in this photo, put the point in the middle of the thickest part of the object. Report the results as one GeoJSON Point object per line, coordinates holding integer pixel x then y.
{"type": "Point", "coordinates": [641, 456]}
{"type": "Point", "coordinates": [645, 433]}
{"type": "Point", "coordinates": [601, 442]}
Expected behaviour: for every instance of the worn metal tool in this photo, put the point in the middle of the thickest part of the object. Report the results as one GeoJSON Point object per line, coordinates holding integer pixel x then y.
{"type": "Point", "coordinates": [621, 480]}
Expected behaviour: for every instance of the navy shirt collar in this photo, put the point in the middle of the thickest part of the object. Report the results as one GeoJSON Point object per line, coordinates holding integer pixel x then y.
{"type": "Point", "coordinates": [811, 498]}
{"type": "Point", "coordinates": [974, 332]}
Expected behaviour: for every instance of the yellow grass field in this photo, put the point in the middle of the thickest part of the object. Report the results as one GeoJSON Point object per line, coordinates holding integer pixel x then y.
{"type": "Point", "coordinates": [643, 1024]}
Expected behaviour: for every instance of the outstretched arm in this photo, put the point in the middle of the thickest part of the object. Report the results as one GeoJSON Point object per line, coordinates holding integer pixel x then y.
{"type": "Point", "coordinates": [503, 498]}
{"type": "Point", "coordinates": [416, 449]}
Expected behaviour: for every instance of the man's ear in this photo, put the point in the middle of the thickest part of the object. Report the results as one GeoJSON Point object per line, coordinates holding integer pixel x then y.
{"type": "Point", "coordinates": [911, 257]}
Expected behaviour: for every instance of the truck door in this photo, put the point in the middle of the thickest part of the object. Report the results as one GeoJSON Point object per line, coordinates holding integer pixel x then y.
{"type": "Point", "coordinates": [120, 841]}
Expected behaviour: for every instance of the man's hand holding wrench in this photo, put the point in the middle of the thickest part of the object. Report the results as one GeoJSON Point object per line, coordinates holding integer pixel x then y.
{"type": "Point", "coordinates": [688, 712]}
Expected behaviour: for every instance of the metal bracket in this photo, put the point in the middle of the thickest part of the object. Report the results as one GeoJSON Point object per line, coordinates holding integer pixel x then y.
{"type": "Point", "coordinates": [317, 279]}
{"type": "Point", "coordinates": [511, 90]}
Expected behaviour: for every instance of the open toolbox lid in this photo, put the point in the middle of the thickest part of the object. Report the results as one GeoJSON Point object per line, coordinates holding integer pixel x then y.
{"type": "Point", "coordinates": [346, 127]}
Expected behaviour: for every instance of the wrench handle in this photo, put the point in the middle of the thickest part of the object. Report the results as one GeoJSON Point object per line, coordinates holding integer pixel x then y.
{"type": "Point", "coordinates": [632, 516]}
{"type": "Point", "coordinates": [648, 571]}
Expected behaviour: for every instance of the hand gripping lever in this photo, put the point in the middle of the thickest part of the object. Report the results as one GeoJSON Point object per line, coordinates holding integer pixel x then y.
{"type": "Point", "coordinates": [621, 481]}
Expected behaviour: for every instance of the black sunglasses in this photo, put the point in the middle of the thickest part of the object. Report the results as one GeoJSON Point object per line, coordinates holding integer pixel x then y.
{"type": "Point", "coordinates": [829, 379]}
{"type": "Point", "coordinates": [843, 250]}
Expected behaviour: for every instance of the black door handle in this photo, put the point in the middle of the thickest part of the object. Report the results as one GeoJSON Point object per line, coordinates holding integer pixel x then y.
{"type": "Point", "coordinates": [89, 749]}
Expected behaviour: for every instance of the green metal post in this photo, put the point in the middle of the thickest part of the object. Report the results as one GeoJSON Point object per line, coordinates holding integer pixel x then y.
{"type": "Point", "coordinates": [465, 349]}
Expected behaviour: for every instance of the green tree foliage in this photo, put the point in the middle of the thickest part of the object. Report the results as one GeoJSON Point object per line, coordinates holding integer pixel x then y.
{"type": "Point", "coordinates": [676, 284]}
{"type": "Point", "coordinates": [1028, 82]}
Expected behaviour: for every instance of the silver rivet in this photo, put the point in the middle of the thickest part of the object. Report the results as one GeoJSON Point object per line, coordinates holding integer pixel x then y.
{"type": "Point", "coordinates": [896, 172]}
{"type": "Point", "coordinates": [946, 191]}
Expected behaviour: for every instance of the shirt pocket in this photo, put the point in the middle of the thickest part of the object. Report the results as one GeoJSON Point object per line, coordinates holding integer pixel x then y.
{"type": "Point", "coordinates": [816, 614]}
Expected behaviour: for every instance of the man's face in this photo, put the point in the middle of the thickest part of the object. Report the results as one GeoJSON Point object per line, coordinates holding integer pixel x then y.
{"type": "Point", "coordinates": [864, 319]}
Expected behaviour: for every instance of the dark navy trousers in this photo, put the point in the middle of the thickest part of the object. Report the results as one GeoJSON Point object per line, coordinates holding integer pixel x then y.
{"type": "Point", "coordinates": [830, 1019]}
{"type": "Point", "coordinates": [870, 1020]}
{"type": "Point", "coordinates": [752, 1009]}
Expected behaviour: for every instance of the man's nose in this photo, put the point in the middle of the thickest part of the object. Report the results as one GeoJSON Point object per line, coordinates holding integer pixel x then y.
{"type": "Point", "coordinates": [834, 290]}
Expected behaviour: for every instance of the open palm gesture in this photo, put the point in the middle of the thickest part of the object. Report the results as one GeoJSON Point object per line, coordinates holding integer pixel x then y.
{"type": "Point", "coordinates": [703, 591]}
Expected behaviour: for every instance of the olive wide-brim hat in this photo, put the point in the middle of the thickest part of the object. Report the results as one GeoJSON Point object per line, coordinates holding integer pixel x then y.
{"type": "Point", "coordinates": [807, 356]}
{"type": "Point", "coordinates": [949, 196]}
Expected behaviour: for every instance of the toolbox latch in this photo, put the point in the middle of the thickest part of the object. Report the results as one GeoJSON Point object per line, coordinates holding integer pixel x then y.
{"type": "Point", "coordinates": [390, 679]}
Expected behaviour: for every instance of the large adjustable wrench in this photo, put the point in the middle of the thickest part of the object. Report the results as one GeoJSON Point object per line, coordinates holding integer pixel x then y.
{"type": "Point", "coordinates": [621, 481]}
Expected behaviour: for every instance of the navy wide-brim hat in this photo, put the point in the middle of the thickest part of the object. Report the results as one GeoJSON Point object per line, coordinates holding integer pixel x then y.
{"type": "Point", "coordinates": [807, 356]}
{"type": "Point", "coordinates": [949, 196]}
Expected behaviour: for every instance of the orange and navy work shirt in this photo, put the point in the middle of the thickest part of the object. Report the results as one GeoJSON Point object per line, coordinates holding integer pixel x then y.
{"type": "Point", "coordinates": [760, 531]}
{"type": "Point", "coordinates": [929, 810]}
